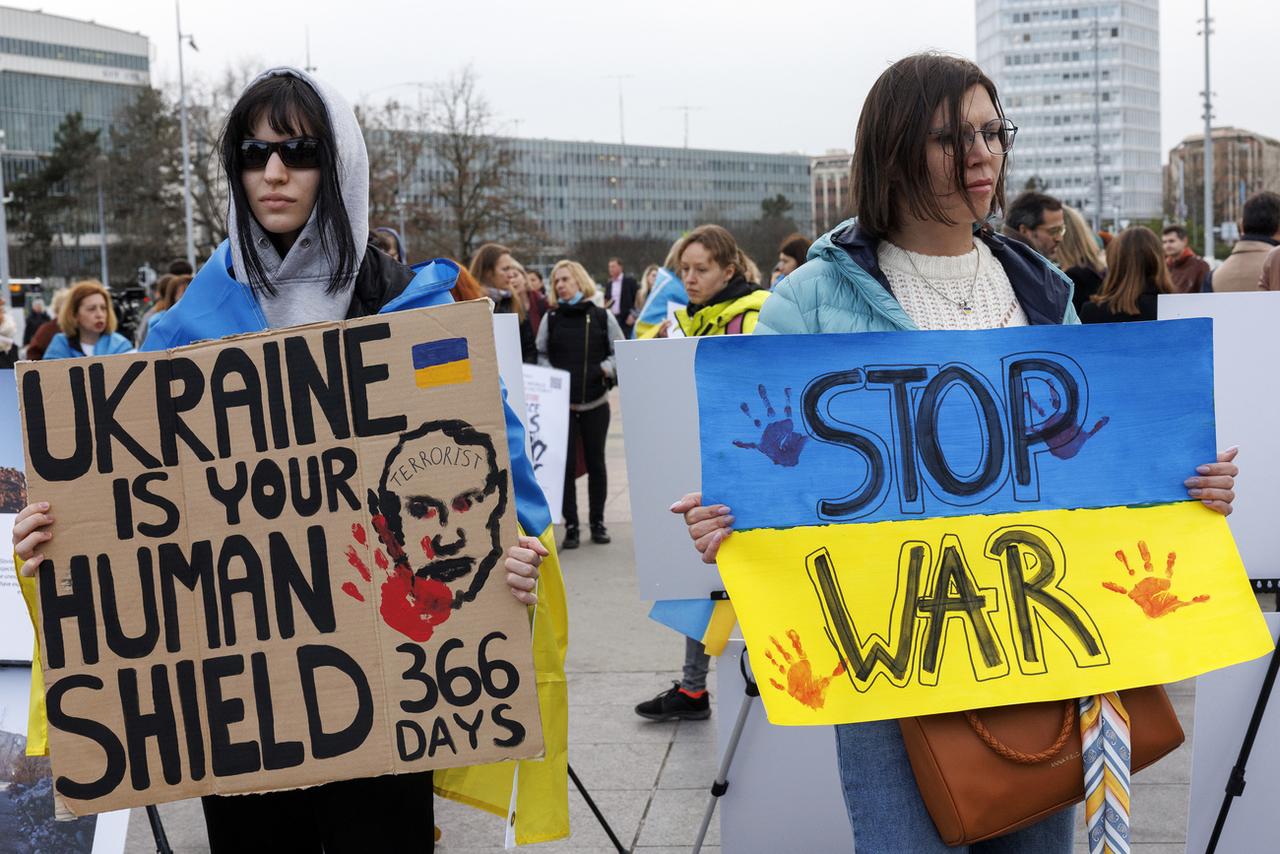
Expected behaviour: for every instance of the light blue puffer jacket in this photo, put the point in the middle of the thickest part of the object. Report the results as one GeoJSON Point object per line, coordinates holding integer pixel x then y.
{"type": "Point", "coordinates": [840, 288]}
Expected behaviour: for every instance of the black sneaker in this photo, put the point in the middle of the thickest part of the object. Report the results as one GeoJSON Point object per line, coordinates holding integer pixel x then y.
{"type": "Point", "coordinates": [676, 705]}
{"type": "Point", "coordinates": [570, 538]}
{"type": "Point", "coordinates": [600, 534]}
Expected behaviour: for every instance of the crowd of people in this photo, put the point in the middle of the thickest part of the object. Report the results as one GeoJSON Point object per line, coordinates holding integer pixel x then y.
{"type": "Point", "coordinates": [922, 253]}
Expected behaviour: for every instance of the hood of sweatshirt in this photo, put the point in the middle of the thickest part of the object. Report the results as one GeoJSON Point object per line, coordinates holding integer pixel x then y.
{"type": "Point", "coordinates": [302, 276]}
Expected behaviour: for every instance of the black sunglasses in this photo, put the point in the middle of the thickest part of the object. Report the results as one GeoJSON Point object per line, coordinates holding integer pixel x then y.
{"type": "Point", "coordinates": [301, 152]}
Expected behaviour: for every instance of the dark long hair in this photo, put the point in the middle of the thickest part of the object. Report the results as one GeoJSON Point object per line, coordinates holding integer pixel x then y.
{"type": "Point", "coordinates": [890, 165]}
{"type": "Point", "coordinates": [292, 108]}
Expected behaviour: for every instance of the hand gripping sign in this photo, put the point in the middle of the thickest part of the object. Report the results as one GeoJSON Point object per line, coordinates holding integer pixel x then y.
{"type": "Point", "coordinates": [936, 521]}
{"type": "Point", "coordinates": [274, 561]}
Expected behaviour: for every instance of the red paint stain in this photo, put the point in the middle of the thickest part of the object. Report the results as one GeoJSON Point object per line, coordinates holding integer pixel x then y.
{"type": "Point", "coordinates": [1168, 567]}
{"type": "Point", "coordinates": [358, 564]}
{"type": "Point", "coordinates": [414, 606]}
{"type": "Point", "coordinates": [411, 605]}
{"type": "Point", "coordinates": [389, 539]}
{"type": "Point", "coordinates": [427, 549]}
{"type": "Point", "coordinates": [1146, 555]}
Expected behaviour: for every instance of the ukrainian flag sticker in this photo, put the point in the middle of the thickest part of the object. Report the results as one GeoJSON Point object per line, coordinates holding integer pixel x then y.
{"type": "Point", "coordinates": [443, 362]}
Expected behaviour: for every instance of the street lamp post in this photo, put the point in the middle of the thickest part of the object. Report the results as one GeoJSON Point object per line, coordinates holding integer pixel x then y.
{"type": "Point", "coordinates": [186, 155]}
{"type": "Point", "coordinates": [1208, 140]}
{"type": "Point", "coordinates": [4, 230]}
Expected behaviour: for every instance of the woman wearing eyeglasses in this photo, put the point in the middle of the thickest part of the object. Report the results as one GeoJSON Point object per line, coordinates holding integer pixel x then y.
{"type": "Point", "coordinates": [297, 253]}
{"type": "Point", "coordinates": [922, 255]}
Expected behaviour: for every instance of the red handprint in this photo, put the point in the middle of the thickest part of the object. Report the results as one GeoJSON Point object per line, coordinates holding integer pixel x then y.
{"type": "Point", "coordinates": [411, 605]}
{"type": "Point", "coordinates": [1151, 593]}
{"type": "Point", "coordinates": [799, 673]}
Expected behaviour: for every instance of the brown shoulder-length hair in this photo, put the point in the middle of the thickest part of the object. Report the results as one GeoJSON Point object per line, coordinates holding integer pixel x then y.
{"type": "Point", "coordinates": [722, 248]}
{"type": "Point", "coordinates": [890, 165]}
{"type": "Point", "coordinates": [485, 261]}
{"type": "Point", "coordinates": [1135, 261]}
{"type": "Point", "coordinates": [80, 292]}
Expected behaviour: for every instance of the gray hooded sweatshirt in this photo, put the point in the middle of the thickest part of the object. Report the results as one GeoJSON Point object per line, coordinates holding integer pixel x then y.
{"type": "Point", "coordinates": [302, 276]}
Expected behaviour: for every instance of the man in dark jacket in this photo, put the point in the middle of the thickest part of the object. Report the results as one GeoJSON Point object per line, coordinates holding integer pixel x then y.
{"type": "Point", "coordinates": [1185, 267]}
{"type": "Point", "coordinates": [620, 296]}
{"type": "Point", "coordinates": [36, 318]}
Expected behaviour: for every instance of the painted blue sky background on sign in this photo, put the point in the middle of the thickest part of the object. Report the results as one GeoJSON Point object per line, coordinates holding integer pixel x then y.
{"type": "Point", "coordinates": [1146, 414]}
{"type": "Point", "coordinates": [10, 423]}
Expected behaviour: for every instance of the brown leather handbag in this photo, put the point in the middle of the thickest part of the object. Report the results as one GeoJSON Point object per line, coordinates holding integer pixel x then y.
{"type": "Point", "coordinates": [986, 773]}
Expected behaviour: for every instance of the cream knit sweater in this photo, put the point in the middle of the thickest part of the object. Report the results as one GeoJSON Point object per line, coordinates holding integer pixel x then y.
{"type": "Point", "coordinates": [993, 302]}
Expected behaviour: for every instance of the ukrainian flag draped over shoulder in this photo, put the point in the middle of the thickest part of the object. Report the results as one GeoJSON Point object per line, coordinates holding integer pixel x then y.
{"type": "Point", "coordinates": [216, 305]}
{"type": "Point", "coordinates": [667, 289]}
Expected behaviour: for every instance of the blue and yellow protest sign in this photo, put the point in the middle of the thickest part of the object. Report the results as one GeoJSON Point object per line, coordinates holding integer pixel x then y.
{"type": "Point", "coordinates": [936, 521]}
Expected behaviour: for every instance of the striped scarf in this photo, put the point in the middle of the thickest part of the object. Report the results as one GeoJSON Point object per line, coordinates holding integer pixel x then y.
{"type": "Point", "coordinates": [1104, 734]}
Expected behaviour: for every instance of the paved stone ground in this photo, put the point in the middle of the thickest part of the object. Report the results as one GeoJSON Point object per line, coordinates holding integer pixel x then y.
{"type": "Point", "coordinates": [651, 780]}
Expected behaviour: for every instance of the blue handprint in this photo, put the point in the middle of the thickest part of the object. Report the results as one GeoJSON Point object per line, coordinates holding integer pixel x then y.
{"type": "Point", "coordinates": [779, 441]}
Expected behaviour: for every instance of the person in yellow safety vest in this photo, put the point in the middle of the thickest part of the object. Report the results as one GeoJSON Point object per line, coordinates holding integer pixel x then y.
{"type": "Point", "coordinates": [724, 299]}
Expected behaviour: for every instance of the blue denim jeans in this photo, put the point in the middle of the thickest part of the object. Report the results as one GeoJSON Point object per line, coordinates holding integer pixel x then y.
{"type": "Point", "coordinates": [888, 815]}
{"type": "Point", "coordinates": [696, 665]}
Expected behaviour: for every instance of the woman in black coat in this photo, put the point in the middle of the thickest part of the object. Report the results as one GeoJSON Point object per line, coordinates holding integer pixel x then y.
{"type": "Point", "coordinates": [577, 336]}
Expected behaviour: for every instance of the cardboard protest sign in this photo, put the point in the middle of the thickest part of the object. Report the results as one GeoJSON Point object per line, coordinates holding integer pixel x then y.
{"type": "Point", "coordinates": [546, 395]}
{"type": "Point", "coordinates": [938, 521]}
{"type": "Point", "coordinates": [277, 560]}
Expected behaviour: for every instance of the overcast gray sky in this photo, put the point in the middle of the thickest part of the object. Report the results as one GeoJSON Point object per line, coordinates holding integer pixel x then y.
{"type": "Point", "coordinates": [786, 76]}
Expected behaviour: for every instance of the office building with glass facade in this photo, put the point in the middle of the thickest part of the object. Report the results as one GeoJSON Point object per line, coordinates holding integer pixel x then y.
{"type": "Point", "coordinates": [599, 190]}
{"type": "Point", "coordinates": [1079, 80]}
{"type": "Point", "coordinates": [51, 66]}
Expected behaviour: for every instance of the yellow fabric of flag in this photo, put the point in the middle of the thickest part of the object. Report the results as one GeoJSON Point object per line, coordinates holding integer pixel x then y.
{"type": "Point", "coordinates": [542, 797]}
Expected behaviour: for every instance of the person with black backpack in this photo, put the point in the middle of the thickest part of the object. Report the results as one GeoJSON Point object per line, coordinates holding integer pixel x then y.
{"type": "Point", "coordinates": [577, 336]}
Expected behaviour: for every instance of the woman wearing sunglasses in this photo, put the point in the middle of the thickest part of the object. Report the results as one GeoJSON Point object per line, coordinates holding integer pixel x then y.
{"type": "Point", "coordinates": [297, 253]}
{"type": "Point", "coordinates": [922, 255]}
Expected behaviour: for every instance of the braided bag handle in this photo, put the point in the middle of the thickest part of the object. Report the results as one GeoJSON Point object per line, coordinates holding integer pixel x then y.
{"type": "Point", "coordinates": [1068, 726]}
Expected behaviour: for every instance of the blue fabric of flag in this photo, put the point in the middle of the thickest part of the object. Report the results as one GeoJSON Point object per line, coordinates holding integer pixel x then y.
{"type": "Point", "coordinates": [667, 288]}
{"type": "Point", "coordinates": [440, 352]}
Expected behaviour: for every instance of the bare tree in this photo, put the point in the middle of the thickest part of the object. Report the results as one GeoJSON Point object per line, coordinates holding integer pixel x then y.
{"type": "Point", "coordinates": [208, 103]}
{"type": "Point", "coordinates": [474, 174]}
{"type": "Point", "coordinates": [395, 136]}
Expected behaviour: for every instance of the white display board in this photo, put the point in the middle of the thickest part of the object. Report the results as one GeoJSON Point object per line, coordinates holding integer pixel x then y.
{"type": "Point", "coordinates": [24, 804]}
{"type": "Point", "coordinates": [546, 395]}
{"type": "Point", "coordinates": [16, 636]}
{"type": "Point", "coordinates": [757, 814]}
{"type": "Point", "coordinates": [1245, 348]}
{"type": "Point", "coordinates": [660, 422]}
{"type": "Point", "coordinates": [506, 340]}
{"type": "Point", "coordinates": [1224, 704]}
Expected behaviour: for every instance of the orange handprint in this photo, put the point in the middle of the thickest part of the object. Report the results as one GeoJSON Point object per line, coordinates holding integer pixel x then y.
{"type": "Point", "coordinates": [799, 673]}
{"type": "Point", "coordinates": [1152, 593]}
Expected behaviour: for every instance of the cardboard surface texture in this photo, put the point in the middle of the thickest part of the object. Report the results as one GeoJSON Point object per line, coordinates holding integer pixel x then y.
{"type": "Point", "coordinates": [277, 560]}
